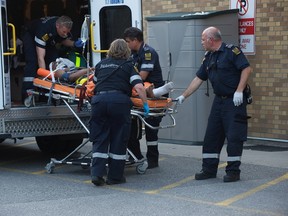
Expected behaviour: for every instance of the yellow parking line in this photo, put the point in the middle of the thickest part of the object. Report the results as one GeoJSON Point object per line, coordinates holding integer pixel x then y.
{"type": "Point", "coordinates": [15, 170]}
{"type": "Point", "coordinates": [170, 186]}
{"type": "Point", "coordinates": [176, 184]}
{"type": "Point", "coordinates": [250, 192]}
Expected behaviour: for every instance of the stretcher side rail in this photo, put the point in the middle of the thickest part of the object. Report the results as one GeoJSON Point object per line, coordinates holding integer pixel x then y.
{"type": "Point", "coordinates": [165, 112]}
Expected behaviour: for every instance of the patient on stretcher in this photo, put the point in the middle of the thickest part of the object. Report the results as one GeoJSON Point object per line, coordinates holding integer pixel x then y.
{"type": "Point", "coordinates": [65, 71]}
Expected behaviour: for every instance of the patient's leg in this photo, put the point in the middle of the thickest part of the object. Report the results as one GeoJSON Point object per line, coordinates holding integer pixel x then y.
{"type": "Point", "coordinates": [70, 77]}
{"type": "Point", "coordinates": [74, 76]}
{"type": "Point", "coordinates": [158, 92]}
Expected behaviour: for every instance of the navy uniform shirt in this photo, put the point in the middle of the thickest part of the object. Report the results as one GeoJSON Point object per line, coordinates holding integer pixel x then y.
{"type": "Point", "coordinates": [223, 68]}
{"type": "Point", "coordinates": [44, 30]}
{"type": "Point", "coordinates": [123, 79]}
{"type": "Point", "coordinates": [147, 59]}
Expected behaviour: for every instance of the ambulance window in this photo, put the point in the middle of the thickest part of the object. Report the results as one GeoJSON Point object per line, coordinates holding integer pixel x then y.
{"type": "Point", "coordinates": [113, 21]}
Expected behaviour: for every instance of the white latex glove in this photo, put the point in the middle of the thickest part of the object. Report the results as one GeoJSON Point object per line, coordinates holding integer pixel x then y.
{"type": "Point", "coordinates": [180, 99]}
{"type": "Point", "coordinates": [238, 98]}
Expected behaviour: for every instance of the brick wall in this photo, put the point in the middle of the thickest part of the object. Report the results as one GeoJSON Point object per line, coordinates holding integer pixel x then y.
{"type": "Point", "coordinates": [269, 80]}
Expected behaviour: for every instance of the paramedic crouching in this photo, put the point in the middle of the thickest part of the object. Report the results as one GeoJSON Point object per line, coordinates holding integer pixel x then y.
{"type": "Point", "coordinates": [228, 70]}
{"type": "Point", "coordinates": [40, 38]}
{"type": "Point", "coordinates": [110, 118]}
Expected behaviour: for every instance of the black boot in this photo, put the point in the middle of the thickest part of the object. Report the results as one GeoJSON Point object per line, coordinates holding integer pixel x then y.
{"type": "Point", "coordinates": [152, 157]}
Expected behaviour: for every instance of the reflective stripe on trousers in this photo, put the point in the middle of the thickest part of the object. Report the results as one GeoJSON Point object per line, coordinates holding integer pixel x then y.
{"type": "Point", "coordinates": [210, 155]}
{"type": "Point", "coordinates": [151, 143]}
{"type": "Point", "coordinates": [100, 155]}
{"type": "Point", "coordinates": [234, 158]}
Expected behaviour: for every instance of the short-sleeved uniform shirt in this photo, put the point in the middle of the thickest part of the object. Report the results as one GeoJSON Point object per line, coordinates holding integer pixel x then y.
{"type": "Point", "coordinates": [44, 30]}
{"type": "Point", "coordinates": [147, 59]}
{"type": "Point", "coordinates": [123, 79]}
{"type": "Point", "coordinates": [223, 68]}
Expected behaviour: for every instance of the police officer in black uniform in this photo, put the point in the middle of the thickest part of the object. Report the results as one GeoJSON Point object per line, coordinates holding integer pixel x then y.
{"type": "Point", "coordinates": [111, 118]}
{"type": "Point", "coordinates": [147, 62]}
{"type": "Point", "coordinates": [228, 70]}
{"type": "Point", "coordinates": [40, 38]}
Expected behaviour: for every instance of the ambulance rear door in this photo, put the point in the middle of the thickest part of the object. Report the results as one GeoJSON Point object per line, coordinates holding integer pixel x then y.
{"type": "Point", "coordinates": [5, 53]}
{"type": "Point", "coordinates": [109, 19]}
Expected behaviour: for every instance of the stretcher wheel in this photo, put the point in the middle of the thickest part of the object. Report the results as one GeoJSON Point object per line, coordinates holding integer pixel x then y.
{"type": "Point", "coordinates": [141, 168]}
{"type": "Point", "coordinates": [50, 167]}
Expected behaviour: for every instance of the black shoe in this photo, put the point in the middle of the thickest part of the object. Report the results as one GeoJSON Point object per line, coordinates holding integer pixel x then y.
{"type": "Point", "coordinates": [115, 181]}
{"type": "Point", "coordinates": [204, 175]}
{"type": "Point", "coordinates": [152, 165]}
{"type": "Point", "coordinates": [231, 177]}
{"type": "Point", "coordinates": [98, 181]}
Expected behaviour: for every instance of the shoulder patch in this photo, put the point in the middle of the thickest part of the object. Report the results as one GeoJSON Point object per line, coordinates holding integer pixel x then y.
{"type": "Point", "coordinates": [45, 37]}
{"type": "Point", "coordinates": [148, 56]}
{"type": "Point", "coordinates": [236, 51]}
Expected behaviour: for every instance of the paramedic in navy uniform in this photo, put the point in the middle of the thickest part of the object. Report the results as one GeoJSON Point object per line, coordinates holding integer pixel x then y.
{"type": "Point", "coordinates": [40, 38]}
{"type": "Point", "coordinates": [228, 71]}
{"type": "Point", "coordinates": [147, 62]}
{"type": "Point", "coordinates": [111, 118]}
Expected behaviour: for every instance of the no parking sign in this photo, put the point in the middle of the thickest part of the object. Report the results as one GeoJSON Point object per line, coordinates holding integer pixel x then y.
{"type": "Point", "coordinates": [246, 17]}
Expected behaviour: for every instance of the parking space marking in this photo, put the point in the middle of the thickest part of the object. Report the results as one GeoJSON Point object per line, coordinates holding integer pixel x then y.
{"type": "Point", "coordinates": [225, 203]}
{"type": "Point", "coordinates": [171, 186]}
{"type": "Point", "coordinates": [209, 203]}
{"type": "Point", "coordinates": [229, 201]}
{"type": "Point", "coordinates": [15, 170]}
{"type": "Point", "coordinates": [181, 182]}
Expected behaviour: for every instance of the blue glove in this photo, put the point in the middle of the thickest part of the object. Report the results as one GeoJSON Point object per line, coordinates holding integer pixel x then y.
{"type": "Point", "coordinates": [146, 109]}
{"type": "Point", "coordinates": [79, 43]}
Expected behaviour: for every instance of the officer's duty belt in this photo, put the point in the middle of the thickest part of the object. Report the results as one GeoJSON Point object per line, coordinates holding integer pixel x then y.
{"type": "Point", "coordinates": [224, 96]}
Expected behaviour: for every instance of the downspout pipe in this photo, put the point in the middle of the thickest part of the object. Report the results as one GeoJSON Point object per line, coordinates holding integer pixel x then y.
{"type": "Point", "coordinates": [268, 139]}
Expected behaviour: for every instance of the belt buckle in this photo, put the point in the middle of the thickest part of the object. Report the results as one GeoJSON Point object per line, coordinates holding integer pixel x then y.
{"type": "Point", "coordinates": [224, 97]}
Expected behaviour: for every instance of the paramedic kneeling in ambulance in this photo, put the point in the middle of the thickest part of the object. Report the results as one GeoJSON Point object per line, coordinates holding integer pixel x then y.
{"type": "Point", "coordinates": [40, 38]}
{"type": "Point", "coordinates": [228, 70]}
{"type": "Point", "coordinates": [111, 118]}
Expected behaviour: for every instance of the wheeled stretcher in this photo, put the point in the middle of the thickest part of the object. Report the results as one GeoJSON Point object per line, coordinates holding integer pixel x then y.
{"type": "Point", "coordinates": [70, 93]}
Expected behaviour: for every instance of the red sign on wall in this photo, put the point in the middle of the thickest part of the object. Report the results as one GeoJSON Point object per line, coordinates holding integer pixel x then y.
{"type": "Point", "coordinates": [246, 17]}
{"type": "Point", "coordinates": [246, 26]}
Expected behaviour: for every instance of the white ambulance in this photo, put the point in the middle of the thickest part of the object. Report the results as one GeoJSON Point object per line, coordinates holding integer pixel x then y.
{"type": "Point", "coordinates": [54, 126]}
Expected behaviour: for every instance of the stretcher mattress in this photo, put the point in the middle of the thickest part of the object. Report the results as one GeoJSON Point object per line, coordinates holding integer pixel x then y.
{"type": "Point", "coordinates": [62, 89]}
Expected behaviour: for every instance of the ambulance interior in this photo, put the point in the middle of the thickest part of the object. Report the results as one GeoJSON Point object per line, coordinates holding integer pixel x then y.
{"type": "Point", "coordinates": [20, 12]}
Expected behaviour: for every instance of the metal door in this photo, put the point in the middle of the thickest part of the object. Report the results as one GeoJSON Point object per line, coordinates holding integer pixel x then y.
{"type": "Point", "coordinates": [5, 52]}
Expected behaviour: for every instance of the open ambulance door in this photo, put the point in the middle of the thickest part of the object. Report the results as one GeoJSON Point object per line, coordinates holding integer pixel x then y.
{"type": "Point", "coordinates": [5, 53]}
{"type": "Point", "coordinates": [109, 19]}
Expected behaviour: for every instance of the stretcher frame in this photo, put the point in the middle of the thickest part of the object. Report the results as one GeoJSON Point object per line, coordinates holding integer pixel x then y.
{"type": "Point", "coordinates": [69, 94]}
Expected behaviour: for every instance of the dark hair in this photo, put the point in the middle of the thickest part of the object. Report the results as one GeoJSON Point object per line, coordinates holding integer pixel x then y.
{"type": "Point", "coordinates": [132, 33]}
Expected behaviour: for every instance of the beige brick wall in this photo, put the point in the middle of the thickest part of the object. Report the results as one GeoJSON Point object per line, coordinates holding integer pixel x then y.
{"type": "Point", "coordinates": [269, 80]}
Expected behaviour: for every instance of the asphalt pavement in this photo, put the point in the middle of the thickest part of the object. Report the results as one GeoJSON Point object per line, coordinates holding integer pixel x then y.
{"type": "Point", "coordinates": [27, 189]}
